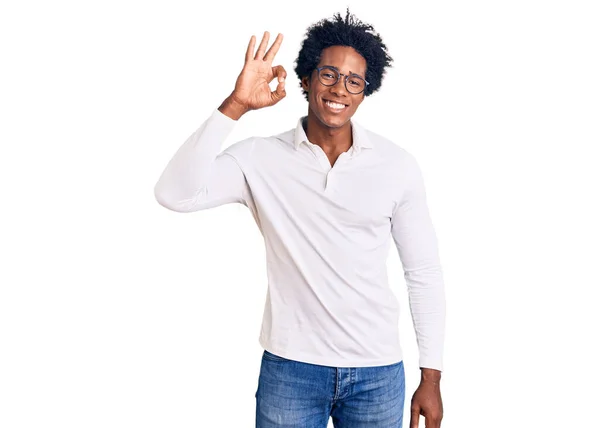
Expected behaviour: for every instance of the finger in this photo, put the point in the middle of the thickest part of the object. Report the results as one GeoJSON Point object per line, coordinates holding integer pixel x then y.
{"type": "Point", "coordinates": [279, 72]}
{"type": "Point", "coordinates": [279, 93]}
{"type": "Point", "coordinates": [260, 53]}
{"type": "Point", "coordinates": [414, 418]}
{"type": "Point", "coordinates": [274, 48]}
{"type": "Point", "coordinates": [250, 49]}
{"type": "Point", "coordinates": [431, 422]}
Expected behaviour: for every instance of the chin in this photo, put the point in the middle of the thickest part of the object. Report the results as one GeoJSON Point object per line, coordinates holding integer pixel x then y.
{"type": "Point", "coordinates": [332, 121]}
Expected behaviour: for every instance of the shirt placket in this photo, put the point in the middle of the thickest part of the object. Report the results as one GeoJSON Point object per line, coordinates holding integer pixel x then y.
{"type": "Point", "coordinates": [331, 172]}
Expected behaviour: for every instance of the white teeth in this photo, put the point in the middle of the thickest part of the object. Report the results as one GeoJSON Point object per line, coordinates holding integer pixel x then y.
{"type": "Point", "coordinates": [335, 105]}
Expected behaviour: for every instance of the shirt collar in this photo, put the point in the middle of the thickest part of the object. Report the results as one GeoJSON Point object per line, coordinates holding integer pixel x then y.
{"type": "Point", "coordinates": [360, 139]}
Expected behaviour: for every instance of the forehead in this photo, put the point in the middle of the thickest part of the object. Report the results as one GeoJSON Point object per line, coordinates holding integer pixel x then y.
{"type": "Point", "coordinates": [344, 58]}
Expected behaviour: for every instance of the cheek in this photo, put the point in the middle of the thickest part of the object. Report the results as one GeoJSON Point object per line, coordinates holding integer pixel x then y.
{"type": "Point", "coordinates": [314, 96]}
{"type": "Point", "coordinates": [356, 103]}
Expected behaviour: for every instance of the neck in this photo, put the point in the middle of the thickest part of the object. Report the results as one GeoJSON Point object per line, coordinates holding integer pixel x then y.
{"type": "Point", "coordinates": [331, 140]}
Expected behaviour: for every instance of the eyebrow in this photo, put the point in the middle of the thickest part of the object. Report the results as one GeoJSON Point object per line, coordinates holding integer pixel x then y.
{"type": "Point", "coordinates": [338, 70]}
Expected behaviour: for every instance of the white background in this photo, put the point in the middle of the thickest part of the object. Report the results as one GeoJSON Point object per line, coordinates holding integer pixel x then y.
{"type": "Point", "coordinates": [115, 312]}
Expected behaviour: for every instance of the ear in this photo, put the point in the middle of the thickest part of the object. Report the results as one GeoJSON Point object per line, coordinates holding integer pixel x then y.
{"type": "Point", "coordinates": [305, 83]}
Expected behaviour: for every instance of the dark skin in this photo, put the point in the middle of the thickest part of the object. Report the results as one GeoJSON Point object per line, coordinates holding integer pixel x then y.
{"type": "Point", "coordinates": [427, 400]}
{"type": "Point", "coordinates": [326, 127]}
{"type": "Point", "coordinates": [252, 91]}
{"type": "Point", "coordinates": [332, 131]}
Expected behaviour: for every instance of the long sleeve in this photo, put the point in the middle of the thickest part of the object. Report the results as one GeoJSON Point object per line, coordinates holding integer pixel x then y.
{"type": "Point", "coordinates": [416, 241]}
{"type": "Point", "coordinates": [200, 176]}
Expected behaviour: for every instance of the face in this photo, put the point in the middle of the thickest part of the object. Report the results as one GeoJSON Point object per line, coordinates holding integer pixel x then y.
{"type": "Point", "coordinates": [333, 106]}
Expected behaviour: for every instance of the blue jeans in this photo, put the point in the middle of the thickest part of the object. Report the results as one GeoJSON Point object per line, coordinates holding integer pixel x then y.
{"type": "Point", "coordinates": [293, 394]}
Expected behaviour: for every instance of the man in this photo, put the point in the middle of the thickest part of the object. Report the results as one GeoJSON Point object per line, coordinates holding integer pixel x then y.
{"type": "Point", "coordinates": [327, 196]}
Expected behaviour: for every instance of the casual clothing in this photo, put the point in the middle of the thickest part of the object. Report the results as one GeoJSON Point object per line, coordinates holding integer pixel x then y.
{"type": "Point", "coordinates": [295, 394]}
{"type": "Point", "coordinates": [327, 234]}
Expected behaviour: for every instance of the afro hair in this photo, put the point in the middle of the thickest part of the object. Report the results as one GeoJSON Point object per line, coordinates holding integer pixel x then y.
{"type": "Point", "coordinates": [350, 32]}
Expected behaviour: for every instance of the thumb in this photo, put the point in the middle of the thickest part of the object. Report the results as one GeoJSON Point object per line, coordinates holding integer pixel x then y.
{"type": "Point", "coordinates": [279, 93]}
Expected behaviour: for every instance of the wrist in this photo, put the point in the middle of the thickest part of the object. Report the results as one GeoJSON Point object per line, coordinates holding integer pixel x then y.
{"type": "Point", "coordinates": [431, 376]}
{"type": "Point", "coordinates": [232, 108]}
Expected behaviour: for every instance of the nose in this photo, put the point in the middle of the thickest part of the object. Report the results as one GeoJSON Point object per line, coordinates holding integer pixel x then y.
{"type": "Point", "coordinates": [340, 87]}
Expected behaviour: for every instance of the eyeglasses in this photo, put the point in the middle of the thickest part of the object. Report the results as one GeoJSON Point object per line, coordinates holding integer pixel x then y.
{"type": "Point", "coordinates": [329, 76]}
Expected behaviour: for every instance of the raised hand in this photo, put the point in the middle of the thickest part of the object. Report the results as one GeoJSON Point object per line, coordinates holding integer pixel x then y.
{"type": "Point", "coordinates": [252, 89]}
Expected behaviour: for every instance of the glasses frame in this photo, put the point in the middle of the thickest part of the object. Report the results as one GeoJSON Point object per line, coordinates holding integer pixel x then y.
{"type": "Point", "coordinates": [346, 76]}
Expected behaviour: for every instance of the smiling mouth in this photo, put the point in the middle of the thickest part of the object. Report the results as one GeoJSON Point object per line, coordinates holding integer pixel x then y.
{"type": "Point", "coordinates": [335, 106]}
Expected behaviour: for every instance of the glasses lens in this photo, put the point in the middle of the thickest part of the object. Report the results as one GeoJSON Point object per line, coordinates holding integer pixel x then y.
{"type": "Point", "coordinates": [355, 84]}
{"type": "Point", "coordinates": [328, 76]}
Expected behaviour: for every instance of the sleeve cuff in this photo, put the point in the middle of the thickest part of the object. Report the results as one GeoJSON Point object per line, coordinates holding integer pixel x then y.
{"type": "Point", "coordinates": [429, 363]}
{"type": "Point", "coordinates": [222, 119]}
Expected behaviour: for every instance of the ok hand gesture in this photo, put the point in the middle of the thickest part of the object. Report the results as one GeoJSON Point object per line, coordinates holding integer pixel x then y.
{"type": "Point", "coordinates": [252, 89]}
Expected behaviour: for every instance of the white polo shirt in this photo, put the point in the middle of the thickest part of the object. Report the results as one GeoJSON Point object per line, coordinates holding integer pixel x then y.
{"type": "Point", "coordinates": [327, 232]}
